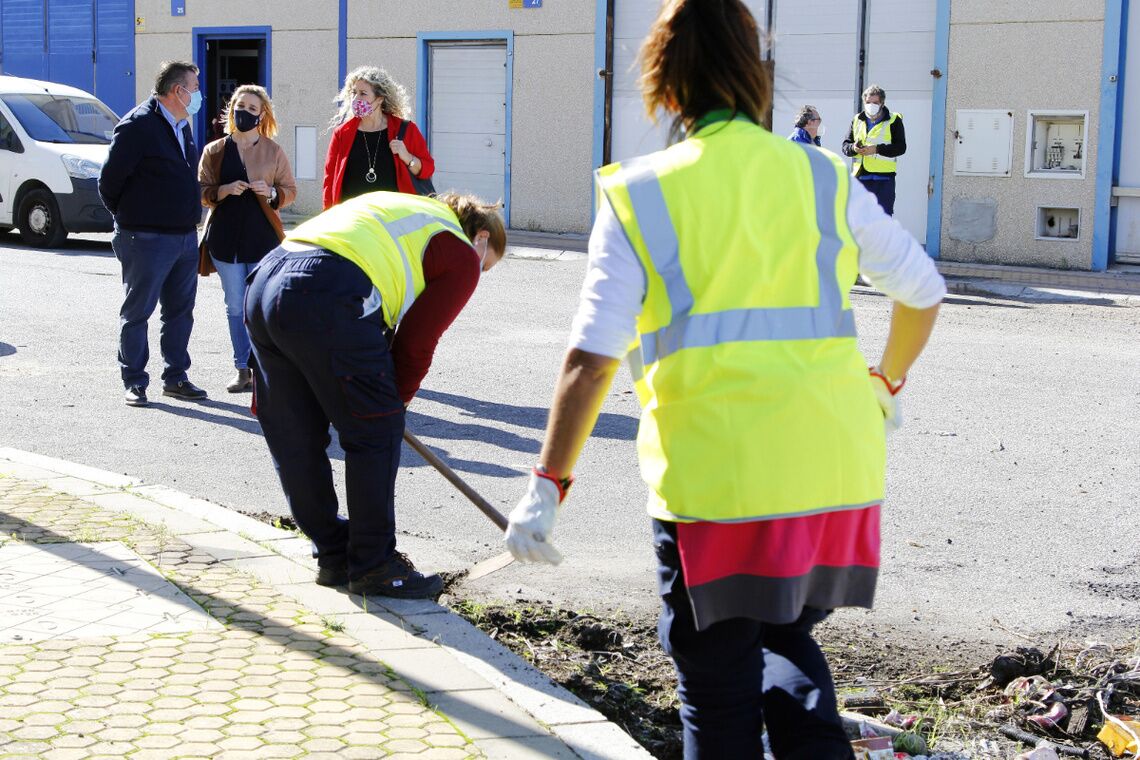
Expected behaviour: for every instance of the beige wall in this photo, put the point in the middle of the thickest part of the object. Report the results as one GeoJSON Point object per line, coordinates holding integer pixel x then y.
{"type": "Point", "coordinates": [552, 92]}
{"type": "Point", "coordinates": [303, 53]}
{"type": "Point", "coordinates": [1017, 56]}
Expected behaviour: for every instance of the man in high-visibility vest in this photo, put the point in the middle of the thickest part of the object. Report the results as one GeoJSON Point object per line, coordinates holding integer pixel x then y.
{"type": "Point", "coordinates": [876, 140]}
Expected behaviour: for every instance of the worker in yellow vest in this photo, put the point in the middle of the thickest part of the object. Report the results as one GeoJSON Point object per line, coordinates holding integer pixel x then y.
{"type": "Point", "coordinates": [320, 310]}
{"type": "Point", "coordinates": [720, 268]}
{"type": "Point", "coordinates": [876, 140]}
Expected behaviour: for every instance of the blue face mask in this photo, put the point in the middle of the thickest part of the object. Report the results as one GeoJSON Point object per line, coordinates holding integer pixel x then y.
{"type": "Point", "coordinates": [195, 102]}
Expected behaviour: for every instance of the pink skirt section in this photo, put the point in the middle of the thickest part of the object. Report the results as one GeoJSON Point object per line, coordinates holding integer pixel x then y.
{"type": "Point", "coordinates": [771, 569]}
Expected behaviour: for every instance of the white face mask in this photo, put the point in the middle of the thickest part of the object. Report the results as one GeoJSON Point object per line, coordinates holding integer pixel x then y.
{"type": "Point", "coordinates": [871, 109]}
{"type": "Point", "coordinates": [821, 131]}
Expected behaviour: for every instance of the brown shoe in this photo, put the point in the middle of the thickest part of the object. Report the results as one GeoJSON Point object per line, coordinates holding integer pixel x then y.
{"type": "Point", "coordinates": [243, 381]}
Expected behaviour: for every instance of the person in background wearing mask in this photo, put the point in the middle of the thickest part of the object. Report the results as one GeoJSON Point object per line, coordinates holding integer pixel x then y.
{"type": "Point", "coordinates": [366, 153]}
{"type": "Point", "coordinates": [876, 140]}
{"type": "Point", "coordinates": [808, 129]}
{"type": "Point", "coordinates": [245, 179]}
{"type": "Point", "coordinates": [150, 185]}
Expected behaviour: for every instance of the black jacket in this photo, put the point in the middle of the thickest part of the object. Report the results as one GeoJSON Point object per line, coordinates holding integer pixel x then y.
{"type": "Point", "coordinates": [147, 183]}
{"type": "Point", "coordinates": [894, 150]}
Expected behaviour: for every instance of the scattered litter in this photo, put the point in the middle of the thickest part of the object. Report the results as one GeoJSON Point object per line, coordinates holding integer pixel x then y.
{"type": "Point", "coordinates": [1121, 735]}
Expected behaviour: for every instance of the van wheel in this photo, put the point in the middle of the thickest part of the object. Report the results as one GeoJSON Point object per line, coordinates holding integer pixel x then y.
{"type": "Point", "coordinates": [40, 223]}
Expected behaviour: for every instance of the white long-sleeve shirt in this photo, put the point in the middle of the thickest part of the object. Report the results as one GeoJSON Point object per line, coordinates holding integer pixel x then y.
{"type": "Point", "coordinates": [612, 295]}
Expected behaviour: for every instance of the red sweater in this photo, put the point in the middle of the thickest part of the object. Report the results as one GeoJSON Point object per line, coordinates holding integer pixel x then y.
{"type": "Point", "coordinates": [341, 143]}
{"type": "Point", "coordinates": [451, 272]}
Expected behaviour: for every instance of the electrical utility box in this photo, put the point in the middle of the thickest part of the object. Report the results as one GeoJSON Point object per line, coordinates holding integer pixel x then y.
{"type": "Point", "coordinates": [983, 143]}
{"type": "Point", "coordinates": [1055, 144]}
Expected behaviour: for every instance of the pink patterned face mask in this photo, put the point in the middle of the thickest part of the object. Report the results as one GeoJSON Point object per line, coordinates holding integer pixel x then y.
{"type": "Point", "coordinates": [361, 108]}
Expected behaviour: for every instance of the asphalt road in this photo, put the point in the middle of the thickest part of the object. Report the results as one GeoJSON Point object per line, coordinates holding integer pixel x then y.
{"type": "Point", "coordinates": [1012, 490]}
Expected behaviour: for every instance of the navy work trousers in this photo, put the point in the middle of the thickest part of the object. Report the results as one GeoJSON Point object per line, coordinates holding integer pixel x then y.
{"type": "Point", "coordinates": [738, 674]}
{"type": "Point", "coordinates": [883, 188]}
{"type": "Point", "coordinates": [159, 269]}
{"type": "Point", "coordinates": [316, 361]}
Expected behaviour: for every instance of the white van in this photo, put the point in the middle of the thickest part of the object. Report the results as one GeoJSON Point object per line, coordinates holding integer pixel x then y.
{"type": "Point", "coordinates": [53, 144]}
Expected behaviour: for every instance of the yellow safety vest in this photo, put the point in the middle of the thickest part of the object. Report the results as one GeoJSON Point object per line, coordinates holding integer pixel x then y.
{"type": "Point", "coordinates": [756, 401]}
{"type": "Point", "coordinates": [385, 234]}
{"type": "Point", "coordinates": [880, 134]}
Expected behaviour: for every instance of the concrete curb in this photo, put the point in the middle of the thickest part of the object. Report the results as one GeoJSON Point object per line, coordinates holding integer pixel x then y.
{"type": "Point", "coordinates": [1020, 291]}
{"type": "Point", "coordinates": [456, 665]}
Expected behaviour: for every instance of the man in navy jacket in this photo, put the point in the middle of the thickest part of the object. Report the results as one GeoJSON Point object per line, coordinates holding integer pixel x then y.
{"type": "Point", "coordinates": [150, 185]}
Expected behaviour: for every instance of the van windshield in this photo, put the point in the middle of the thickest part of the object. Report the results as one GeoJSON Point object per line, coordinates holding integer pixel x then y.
{"type": "Point", "coordinates": [63, 118]}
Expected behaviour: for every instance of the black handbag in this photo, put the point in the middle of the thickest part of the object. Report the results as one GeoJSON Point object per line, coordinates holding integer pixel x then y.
{"type": "Point", "coordinates": [422, 186]}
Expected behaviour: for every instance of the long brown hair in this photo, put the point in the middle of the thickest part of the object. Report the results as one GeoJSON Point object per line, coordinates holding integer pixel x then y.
{"type": "Point", "coordinates": [702, 55]}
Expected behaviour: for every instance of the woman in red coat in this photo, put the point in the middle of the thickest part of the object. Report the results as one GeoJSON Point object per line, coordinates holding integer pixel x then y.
{"type": "Point", "coordinates": [365, 153]}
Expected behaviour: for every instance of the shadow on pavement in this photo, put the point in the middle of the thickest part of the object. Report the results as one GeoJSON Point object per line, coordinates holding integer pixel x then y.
{"type": "Point", "coordinates": [244, 618]}
{"type": "Point", "coordinates": [615, 426]}
{"type": "Point", "coordinates": [7, 349]}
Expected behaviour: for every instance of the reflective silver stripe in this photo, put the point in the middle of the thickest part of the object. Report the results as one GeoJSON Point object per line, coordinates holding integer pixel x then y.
{"type": "Point", "coordinates": [659, 235]}
{"type": "Point", "coordinates": [404, 226]}
{"type": "Point", "coordinates": [686, 330]}
{"type": "Point", "coordinates": [636, 367]}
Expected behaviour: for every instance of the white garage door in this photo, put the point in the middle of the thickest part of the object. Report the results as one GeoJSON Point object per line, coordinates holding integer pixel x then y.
{"type": "Point", "coordinates": [816, 53]}
{"type": "Point", "coordinates": [815, 44]}
{"type": "Point", "coordinates": [1128, 212]}
{"type": "Point", "coordinates": [900, 55]}
{"type": "Point", "coordinates": [467, 120]}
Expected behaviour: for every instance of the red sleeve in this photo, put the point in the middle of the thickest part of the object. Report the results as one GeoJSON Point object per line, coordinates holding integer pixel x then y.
{"type": "Point", "coordinates": [451, 272]}
{"type": "Point", "coordinates": [417, 146]}
{"type": "Point", "coordinates": [335, 161]}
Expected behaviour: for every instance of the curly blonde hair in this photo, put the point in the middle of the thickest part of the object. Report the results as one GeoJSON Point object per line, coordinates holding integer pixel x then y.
{"type": "Point", "coordinates": [394, 95]}
{"type": "Point", "coordinates": [267, 127]}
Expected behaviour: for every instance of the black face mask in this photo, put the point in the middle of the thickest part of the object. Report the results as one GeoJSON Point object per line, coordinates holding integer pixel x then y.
{"type": "Point", "coordinates": [245, 121]}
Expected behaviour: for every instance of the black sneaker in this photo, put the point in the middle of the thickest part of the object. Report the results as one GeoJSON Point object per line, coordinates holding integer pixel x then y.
{"type": "Point", "coordinates": [336, 575]}
{"type": "Point", "coordinates": [184, 389]}
{"type": "Point", "coordinates": [397, 577]}
{"type": "Point", "coordinates": [135, 396]}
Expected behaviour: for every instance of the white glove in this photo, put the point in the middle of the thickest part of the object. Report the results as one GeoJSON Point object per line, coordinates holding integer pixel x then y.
{"type": "Point", "coordinates": [888, 397]}
{"type": "Point", "coordinates": [532, 521]}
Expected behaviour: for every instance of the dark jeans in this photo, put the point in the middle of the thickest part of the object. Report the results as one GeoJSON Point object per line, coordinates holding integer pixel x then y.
{"type": "Point", "coordinates": [884, 192]}
{"type": "Point", "coordinates": [158, 269]}
{"type": "Point", "coordinates": [738, 674]}
{"type": "Point", "coordinates": [316, 362]}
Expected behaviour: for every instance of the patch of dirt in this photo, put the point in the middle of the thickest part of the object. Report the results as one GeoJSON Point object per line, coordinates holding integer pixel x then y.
{"type": "Point", "coordinates": [614, 663]}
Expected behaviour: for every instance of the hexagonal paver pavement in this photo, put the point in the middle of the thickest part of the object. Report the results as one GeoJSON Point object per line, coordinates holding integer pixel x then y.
{"type": "Point", "coordinates": [241, 671]}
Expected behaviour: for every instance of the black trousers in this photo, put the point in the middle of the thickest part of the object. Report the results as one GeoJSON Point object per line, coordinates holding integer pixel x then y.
{"type": "Point", "coordinates": [317, 361]}
{"type": "Point", "coordinates": [738, 674]}
{"type": "Point", "coordinates": [884, 191]}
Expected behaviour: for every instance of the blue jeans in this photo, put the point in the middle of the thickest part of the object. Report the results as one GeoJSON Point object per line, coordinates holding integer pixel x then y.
{"type": "Point", "coordinates": [159, 269]}
{"type": "Point", "coordinates": [317, 361]}
{"type": "Point", "coordinates": [233, 278]}
{"type": "Point", "coordinates": [738, 674]}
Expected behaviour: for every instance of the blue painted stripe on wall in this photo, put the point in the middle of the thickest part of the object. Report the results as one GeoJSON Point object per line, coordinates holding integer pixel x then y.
{"type": "Point", "coordinates": [342, 43]}
{"type": "Point", "coordinates": [599, 82]}
{"type": "Point", "coordinates": [1106, 134]}
{"type": "Point", "coordinates": [938, 129]}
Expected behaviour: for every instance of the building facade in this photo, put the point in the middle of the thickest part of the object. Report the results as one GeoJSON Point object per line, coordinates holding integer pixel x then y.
{"type": "Point", "coordinates": [1017, 114]}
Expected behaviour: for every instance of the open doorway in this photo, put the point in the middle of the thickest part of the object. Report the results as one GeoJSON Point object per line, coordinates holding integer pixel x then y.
{"type": "Point", "coordinates": [227, 58]}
